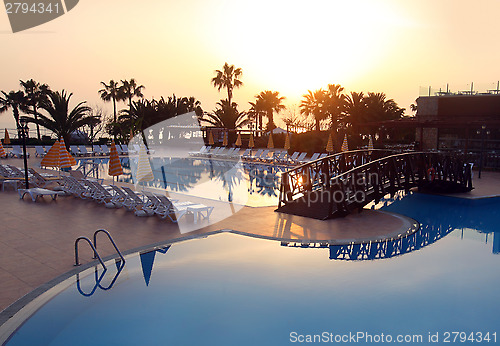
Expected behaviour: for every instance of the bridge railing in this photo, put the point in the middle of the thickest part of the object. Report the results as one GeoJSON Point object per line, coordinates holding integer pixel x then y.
{"type": "Point", "coordinates": [313, 175]}
{"type": "Point", "coordinates": [351, 180]}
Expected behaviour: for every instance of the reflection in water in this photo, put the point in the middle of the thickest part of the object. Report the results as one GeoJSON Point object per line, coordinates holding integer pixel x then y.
{"type": "Point", "coordinates": [147, 261]}
{"type": "Point", "coordinates": [438, 216]}
{"type": "Point", "coordinates": [232, 181]}
{"type": "Point", "coordinates": [99, 278]}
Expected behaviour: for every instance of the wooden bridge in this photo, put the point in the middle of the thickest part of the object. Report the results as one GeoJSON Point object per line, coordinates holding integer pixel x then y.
{"type": "Point", "coordinates": [338, 184]}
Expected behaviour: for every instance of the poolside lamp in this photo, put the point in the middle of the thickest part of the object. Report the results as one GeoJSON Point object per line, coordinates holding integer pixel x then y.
{"type": "Point", "coordinates": [23, 131]}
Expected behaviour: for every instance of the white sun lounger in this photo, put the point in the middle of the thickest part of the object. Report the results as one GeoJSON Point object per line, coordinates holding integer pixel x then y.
{"type": "Point", "coordinates": [37, 192]}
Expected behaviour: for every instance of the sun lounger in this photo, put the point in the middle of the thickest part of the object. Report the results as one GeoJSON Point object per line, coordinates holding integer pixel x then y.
{"type": "Point", "coordinates": [204, 149]}
{"type": "Point", "coordinates": [126, 148]}
{"type": "Point", "coordinates": [137, 149]}
{"type": "Point", "coordinates": [40, 180]}
{"type": "Point", "coordinates": [17, 151]}
{"type": "Point", "coordinates": [314, 157]}
{"type": "Point", "coordinates": [96, 150]}
{"type": "Point", "coordinates": [39, 151]}
{"type": "Point", "coordinates": [83, 150]}
{"type": "Point", "coordinates": [15, 172]}
{"type": "Point", "coordinates": [37, 192]}
{"type": "Point", "coordinates": [134, 200]}
{"type": "Point", "coordinates": [123, 149]}
{"type": "Point", "coordinates": [246, 154]}
{"type": "Point", "coordinates": [322, 156]}
{"type": "Point", "coordinates": [104, 149]}
{"type": "Point", "coordinates": [74, 150]}
{"type": "Point", "coordinates": [256, 155]}
{"type": "Point", "coordinates": [299, 158]}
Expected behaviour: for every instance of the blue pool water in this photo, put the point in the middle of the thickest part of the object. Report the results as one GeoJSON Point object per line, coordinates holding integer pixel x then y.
{"type": "Point", "coordinates": [233, 290]}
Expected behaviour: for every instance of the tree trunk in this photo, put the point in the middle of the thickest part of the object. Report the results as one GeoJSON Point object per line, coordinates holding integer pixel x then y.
{"type": "Point", "coordinates": [37, 126]}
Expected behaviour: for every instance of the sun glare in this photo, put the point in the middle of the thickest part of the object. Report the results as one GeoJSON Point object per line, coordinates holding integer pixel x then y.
{"type": "Point", "coordinates": [294, 46]}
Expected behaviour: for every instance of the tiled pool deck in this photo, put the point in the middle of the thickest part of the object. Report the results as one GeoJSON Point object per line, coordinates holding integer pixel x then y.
{"type": "Point", "coordinates": [37, 239]}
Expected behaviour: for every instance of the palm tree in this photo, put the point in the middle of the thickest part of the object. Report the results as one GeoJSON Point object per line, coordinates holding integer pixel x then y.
{"type": "Point", "coordinates": [255, 113]}
{"type": "Point", "coordinates": [355, 109]}
{"type": "Point", "coordinates": [335, 103]}
{"type": "Point", "coordinates": [36, 94]}
{"type": "Point", "coordinates": [15, 100]}
{"type": "Point", "coordinates": [129, 90]}
{"type": "Point", "coordinates": [60, 119]}
{"type": "Point", "coordinates": [227, 78]}
{"type": "Point", "coordinates": [313, 103]}
{"type": "Point", "coordinates": [110, 92]}
{"type": "Point", "coordinates": [226, 115]}
{"type": "Point", "coordinates": [380, 109]}
{"type": "Point", "coordinates": [270, 102]}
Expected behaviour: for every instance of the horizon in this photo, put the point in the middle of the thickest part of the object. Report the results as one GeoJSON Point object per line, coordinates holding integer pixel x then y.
{"type": "Point", "coordinates": [174, 48]}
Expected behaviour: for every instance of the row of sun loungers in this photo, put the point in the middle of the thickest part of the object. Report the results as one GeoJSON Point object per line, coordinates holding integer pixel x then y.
{"type": "Point", "coordinates": [143, 204]}
{"type": "Point", "coordinates": [261, 155]}
{"type": "Point", "coordinates": [97, 150]}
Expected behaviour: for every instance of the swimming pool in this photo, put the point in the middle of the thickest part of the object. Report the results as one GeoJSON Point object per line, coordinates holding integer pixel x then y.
{"type": "Point", "coordinates": [234, 290]}
{"type": "Point", "coordinates": [252, 184]}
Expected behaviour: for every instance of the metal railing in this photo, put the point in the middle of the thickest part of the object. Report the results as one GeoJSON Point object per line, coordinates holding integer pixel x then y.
{"type": "Point", "coordinates": [94, 247]}
{"type": "Point", "coordinates": [336, 185]}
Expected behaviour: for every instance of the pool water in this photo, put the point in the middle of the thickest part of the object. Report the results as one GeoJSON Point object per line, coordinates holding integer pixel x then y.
{"type": "Point", "coordinates": [252, 184]}
{"type": "Point", "coordinates": [234, 290]}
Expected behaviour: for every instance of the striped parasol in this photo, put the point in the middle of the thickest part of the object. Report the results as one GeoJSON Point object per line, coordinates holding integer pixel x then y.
{"type": "Point", "coordinates": [345, 145]}
{"type": "Point", "coordinates": [370, 143]}
{"type": "Point", "coordinates": [270, 143]}
{"type": "Point", "coordinates": [329, 145]}
{"type": "Point", "coordinates": [2, 151]}
{"type": "Point", "coordinates": [225, 141]}
{"type": "Point", "coordinates": [51, 159]}
{"type": "Point", "coordinates": [144, 171]}
{"type": "Point", "coordinates": [65, 158]}
{"type": "Point", "coordinates": [115, 166]}
{"type": "Point", "coordinates": [287, 142]}
{"type": "Point", "coordinates": [238, 140]}
{"type": "Point", "coordinates": [251, 143]}
{"type": "Point", "coordinates": [6, 139]}
{"type": "Point", "coordinates": [210, 138]}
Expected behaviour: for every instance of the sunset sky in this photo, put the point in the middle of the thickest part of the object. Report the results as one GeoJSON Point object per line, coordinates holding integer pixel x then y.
{"type": "Point", "coordinates": [389, 46]}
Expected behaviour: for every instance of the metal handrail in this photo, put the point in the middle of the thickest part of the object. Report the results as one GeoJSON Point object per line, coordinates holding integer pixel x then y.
{"type": "Point", "coordinates": [96, 255]}
{"type": "Point", "coordinates": [110, 239]}
{"type": "Point", "coordinates": [392, 173]}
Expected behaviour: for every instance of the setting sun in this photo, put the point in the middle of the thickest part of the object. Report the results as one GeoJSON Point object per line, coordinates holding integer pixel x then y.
{"type": "Point", "coordinates": [293, 46]}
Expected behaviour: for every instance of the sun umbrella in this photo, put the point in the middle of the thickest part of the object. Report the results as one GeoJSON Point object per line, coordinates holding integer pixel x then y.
{"type": "Point", "coordinates": [144, 171]}
{"type": "Point", "coordinates": [115, 166]}
{"type": "Point", "coordinates": [51, 159]}
{"type": "Point", "coordinates": [238, 140]}
{"type": "Point", "coordinates": [225, 141]}
{"type": "Point", "coordinates": [65, 158]}
{"type": "Point", "coordinates": [2, 151]}
{"type": "Point", "coordinates": [270, 143]}
{"type": "Point", "coordinates": [329, 145]}
{"type": "Point", "coordinates": [251, 143]}
{"type": "Point", "coordinates": [6, 139]}
{"type": "Point", "coordinates": [370, 143]}
{"type": "Point", "coordinates": [345, 145]}
{"type": "Point", "coordinates": [287, 142]}
{"type": "Point", "coordinates": [210, 138]}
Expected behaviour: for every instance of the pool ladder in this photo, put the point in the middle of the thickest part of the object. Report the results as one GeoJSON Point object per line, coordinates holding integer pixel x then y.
{"type": "Point", "coordinates": [93, 246]}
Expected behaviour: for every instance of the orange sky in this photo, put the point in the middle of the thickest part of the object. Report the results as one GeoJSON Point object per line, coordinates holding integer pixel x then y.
{"type": "Point", "coordinates": [289, 46]}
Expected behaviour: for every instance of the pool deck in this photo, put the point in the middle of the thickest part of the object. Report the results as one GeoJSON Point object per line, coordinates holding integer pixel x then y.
{"type": "Point", "coordinates": [37, 239]}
